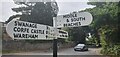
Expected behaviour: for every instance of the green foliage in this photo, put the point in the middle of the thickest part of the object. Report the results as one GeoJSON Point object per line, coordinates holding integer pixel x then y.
{"type": "Point", "coordinates": [97, 4]}
{"type": "Point", "coordinates": [109, 35]}
{"type": "Point", "coordinates": [36, 12]}
{"type": "Point", "coordinates": [12, 17]}
{"type": "Point", "coordinates": [106, 23]}
{"type": "Point", "coordinates": [111, 50]}
{"type": "Point", "coordinates": [104, 15]}
{"type": "Point", "coordinates": [77, 34]}
{"type": "Point", "coordinates": [91, 40]}
{"type": "Point", "coordinates": [42, 14]}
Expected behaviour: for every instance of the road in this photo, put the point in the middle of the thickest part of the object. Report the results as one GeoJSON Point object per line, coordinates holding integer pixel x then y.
{"type": "Point", "coordinates": [61, 53]}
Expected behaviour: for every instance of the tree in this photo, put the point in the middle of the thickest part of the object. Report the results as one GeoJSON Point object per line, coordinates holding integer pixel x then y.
{"type": "Point", "coordinates": [37, 12]}
{"type": "Point", "coordinates": [12, 17]}
{"type": "Point", "coordinates": [106, 23]}
{"type": "Point", "coordinates": [77, 35]}
{"type": "Point", "coordinates": [106, 15]}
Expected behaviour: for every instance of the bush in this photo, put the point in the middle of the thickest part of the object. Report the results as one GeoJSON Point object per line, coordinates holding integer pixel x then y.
{"type": "Point", "coordinates": [111, 50]}
{"type": "Point", "coordinates": [109, 41]}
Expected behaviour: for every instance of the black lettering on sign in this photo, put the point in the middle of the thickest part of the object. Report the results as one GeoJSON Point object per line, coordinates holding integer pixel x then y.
{"type": "Point", "coordinates": [18, 35]}
{"type": "Point", "coordinates": [67, 20]}
{"type": "Point", "coordinates": [65, 25]}
{"type": "Point", "coordinates": [25, 24]}
{"type": "Point", "coordinates": [83, 18]}
{"type": "Point", "coordinates": [19, 29]}
{"type": "Point", "coordinates": [78, 19]}
{"type": "Point", "coordinates": [14, 29]}
{"type": "Point", "coordinates": [79, 23]}
{"type": "Point", "coordinates": [15, 23]}
{"type": "Point", "coordinates": [37, 31]}
{"type": "Point", "coordinates": [19, 23]}
{"type": "Point", "coordinates": [70, 15]}
{"type": "Point", "coordinates": [46, 36]}
{"type": "Point", "coordinates": [72, 24]}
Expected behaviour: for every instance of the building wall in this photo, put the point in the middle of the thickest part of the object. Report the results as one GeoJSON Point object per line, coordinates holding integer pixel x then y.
{"type": "Point", "coordinates": [1, 25]}
{"type": "Point", "coordinates": [1, 35]}
{"type": "Point", "coordinates": [20, 45]}
{"type": "Point", "coordinates": [5, 36]}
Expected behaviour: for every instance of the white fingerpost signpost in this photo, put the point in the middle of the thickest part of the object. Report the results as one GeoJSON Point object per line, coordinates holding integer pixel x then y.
{"type": "Point", "coordinates": [26, 30]}
{"type": "Point", "coordinates": [32, 31]}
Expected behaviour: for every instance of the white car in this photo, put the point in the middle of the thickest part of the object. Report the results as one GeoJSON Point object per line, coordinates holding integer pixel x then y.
{"type": "Point", "coordinates": [81, 47]}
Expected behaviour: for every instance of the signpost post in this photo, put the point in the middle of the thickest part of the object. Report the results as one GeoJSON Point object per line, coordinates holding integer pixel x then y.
{"type": "Point", "coordinates": [55, 39]}
{"type": "Point", "coordinates": [55, 9]}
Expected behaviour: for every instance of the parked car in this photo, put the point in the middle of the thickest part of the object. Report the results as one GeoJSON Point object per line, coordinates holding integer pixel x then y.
{"type": "Point", "coordinates": [81, 47]}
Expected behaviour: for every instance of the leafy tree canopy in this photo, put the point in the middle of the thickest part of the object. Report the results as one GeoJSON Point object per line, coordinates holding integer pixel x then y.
{"type": "Point", "coordinates": [37, 12]}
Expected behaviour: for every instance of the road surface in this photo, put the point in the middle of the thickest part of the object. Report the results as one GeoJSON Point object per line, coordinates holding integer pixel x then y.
{"type": "Point", "coordinates": [93, 52]}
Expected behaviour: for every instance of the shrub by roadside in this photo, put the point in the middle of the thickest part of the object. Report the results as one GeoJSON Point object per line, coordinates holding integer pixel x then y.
{"type": "Point", "coordinates": [113, 50]}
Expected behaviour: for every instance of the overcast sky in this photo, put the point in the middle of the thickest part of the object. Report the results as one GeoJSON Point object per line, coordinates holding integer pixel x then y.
{"type": "Point", "coordinates": [65, 7]}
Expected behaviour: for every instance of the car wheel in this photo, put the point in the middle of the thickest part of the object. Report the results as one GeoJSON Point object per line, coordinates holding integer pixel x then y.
{"type": "Point", "coordinates": [86, 50]}
{"type": "Point", "coordinates": [75, 50]}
